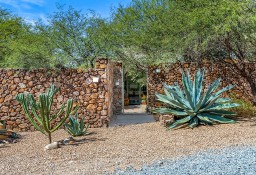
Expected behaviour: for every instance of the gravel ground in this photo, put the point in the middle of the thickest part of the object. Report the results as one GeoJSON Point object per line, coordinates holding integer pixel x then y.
{"type": "Point", "coordinates": [228, 161]}
{"type": "Point", "coordinates": [107, 149]}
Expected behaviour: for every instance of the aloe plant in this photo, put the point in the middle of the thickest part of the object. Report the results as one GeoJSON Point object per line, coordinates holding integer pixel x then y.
{"type": "Point", "coordinates": [76, 128]}
{"type": "Point", "coordinates": [39, 113]}
{"type": "Point", "coordinates": [194, 107]}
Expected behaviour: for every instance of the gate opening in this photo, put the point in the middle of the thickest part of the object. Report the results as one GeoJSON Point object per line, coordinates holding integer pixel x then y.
{"type": "Point", "coordinates": [135, 95]}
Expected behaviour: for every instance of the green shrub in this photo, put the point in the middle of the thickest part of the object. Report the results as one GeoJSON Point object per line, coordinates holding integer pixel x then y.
{"type": "Point", "coordinates": [76, 128]}
{"type": "Point", "coordinates": [246, 108]}
{"type": "Point", "coordinates": [39, 113]}
{"type": "Point", "coordinates": [194, 107]}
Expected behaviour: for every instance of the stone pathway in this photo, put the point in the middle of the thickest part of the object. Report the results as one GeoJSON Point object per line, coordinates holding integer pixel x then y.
{"type": "Point", "coordinates": [134, 109]}
{"type": "Point", "coordinates": [133, 114]}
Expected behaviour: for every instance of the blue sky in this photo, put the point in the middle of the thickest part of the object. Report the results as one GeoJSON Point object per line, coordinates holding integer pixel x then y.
{"type": "Point", "coordinates": [31, 10]}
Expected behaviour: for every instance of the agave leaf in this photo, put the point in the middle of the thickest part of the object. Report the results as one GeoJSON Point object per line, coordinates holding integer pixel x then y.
{"type": "Point", "coordinates": [217, 94]}
{"type": "Point", "coordinates": [221, 106]}
{"type": "Point", "coordinates": [193, 122]}
{"type": "Point", "coordinates": [221, 112]}
{"type": "Point", "coordinates": [76, 123]}
{"type": "Point", "coordinates": [182, 95]}
{"type": "Point", "coordinates": [179, 100]}
{"type": "Point", "coordinates": [76, 128]}
{"type": "Point", "coordinates": [189, 81]}
{"type": "Point", "coordinates": [200, 85]}
{"type": "Point", "coordinates": [194, 90]}
{"type": "Point", "coordinates": [168, 94]}
{"type": "Point", "coordinates": [170, 111]}
{"type": "Point", "coordinates": [171, 102]}
{"type": "Point", "coordinates": [203, 118]}
{"type": "Point", "coordinates": [82, 125]}
{"type": "Point", "coordinates": [217, 118]}
{"type": "Point", "coordinates": [223, 100]}
{"type": "Point", "coordinates": [204, 122]}
{"type": "Point", "coordinates": [180, 122]}
{"type": "Point", "coordinates": [207, 95]}
{"type": "Point", "coordinates": [187, 90]}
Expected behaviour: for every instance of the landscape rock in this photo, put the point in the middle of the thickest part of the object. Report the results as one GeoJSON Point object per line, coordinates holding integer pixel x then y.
{"type": "Point", "coordinates": [51, 146]}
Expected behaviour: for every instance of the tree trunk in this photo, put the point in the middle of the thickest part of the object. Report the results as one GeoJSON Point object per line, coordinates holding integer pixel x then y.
{"type": "Point", "coordinates": [50, 137]}
{"type": "Point", "coordinates": [240, 66]}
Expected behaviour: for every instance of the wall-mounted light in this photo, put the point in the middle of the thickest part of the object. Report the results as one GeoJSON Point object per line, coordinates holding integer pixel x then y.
{"type": "Point", "coordinates": [95, 79]}
{"type": "Point", "coordinates": [158, 70]}
{"type": "Point", "coordinates": [117, 83]}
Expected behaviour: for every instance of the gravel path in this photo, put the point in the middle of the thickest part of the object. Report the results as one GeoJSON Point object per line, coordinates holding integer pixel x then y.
{"type": "Point", "coordinates": [228, 161]}
{"type": "Point", "coordinates": [107, 149]}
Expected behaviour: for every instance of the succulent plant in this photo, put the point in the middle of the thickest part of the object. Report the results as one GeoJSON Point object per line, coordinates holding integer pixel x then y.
{"type": "Point", "coordinates": [194, 107]}
{"type": "Point", "coordinates": [76, 128]}
{"type": "Point", "coordinates": [39, 113]}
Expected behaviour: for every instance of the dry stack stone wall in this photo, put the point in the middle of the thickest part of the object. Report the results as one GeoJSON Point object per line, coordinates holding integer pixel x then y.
{"type": "Point", "coordinates": [172, 73]}
{"type": "Point", "coordinates": [94, 98]}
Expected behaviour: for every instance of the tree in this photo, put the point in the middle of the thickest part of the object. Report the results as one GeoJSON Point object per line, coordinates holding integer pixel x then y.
{"type": "Point", "coordinates": [73, 38]}
{"type": "Point", "coordinates": [22, 45]}
{"type": "Point", "coordinates": [10, 26]}
{"type": "Point", "coordinates": [160, 31]}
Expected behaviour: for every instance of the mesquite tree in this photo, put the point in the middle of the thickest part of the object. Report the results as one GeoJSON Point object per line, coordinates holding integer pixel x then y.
{"type": "Point", "coordinates": [40, 114]}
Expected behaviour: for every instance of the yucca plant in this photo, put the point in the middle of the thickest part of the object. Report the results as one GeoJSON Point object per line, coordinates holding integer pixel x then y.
{"type": "Point", "coordinates": [76, 128]}
{"type": "Point", "coordinates": [39, 113]}
{"type": "Point", "coordinates": [194, 107]}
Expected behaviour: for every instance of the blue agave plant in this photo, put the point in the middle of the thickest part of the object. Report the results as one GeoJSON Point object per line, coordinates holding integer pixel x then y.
{"type": "Point", "coordinates": [194, 107]}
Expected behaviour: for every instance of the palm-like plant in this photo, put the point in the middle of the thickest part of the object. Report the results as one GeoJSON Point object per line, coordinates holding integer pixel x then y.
{"type": "Point", "coordinates": [76, 128]}
{"type": "Point", "coordinates": [194, 107]}
{"type": "Point", "coordinates": [39, 113]}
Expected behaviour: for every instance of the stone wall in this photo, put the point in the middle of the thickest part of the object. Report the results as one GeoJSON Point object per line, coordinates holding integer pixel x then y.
{"type": "Point", "coordinates": [172, 73]}
{"type": "Point", "coordinates": [94, 98]}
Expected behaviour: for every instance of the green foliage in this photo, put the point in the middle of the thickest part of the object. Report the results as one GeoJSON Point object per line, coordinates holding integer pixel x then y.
{"type": "Point", "coordinates": [74, 37]}
{"type": "Point", "coordinates": [76, 128]}
{"type": "Point", "coordinates": [184, 30]}
{"type": "Point", "coordinates": [192, 105]}
{"type": "Point", "coordinates": [245, 110]}
{"type": "Point", "coordinates": [21, 44]}
{"type": "Point", "coordinates": [39, 113]}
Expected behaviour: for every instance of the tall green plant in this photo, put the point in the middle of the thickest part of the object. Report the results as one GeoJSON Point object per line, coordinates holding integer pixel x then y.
{"type": "Point", "coordinates": [39, 113]}
{"type": "Point", "coordinates": [193, 106]}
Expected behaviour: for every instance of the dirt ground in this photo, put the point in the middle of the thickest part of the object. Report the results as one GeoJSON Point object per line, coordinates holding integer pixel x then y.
{"type": "Point", "coordinates": [106, 149]}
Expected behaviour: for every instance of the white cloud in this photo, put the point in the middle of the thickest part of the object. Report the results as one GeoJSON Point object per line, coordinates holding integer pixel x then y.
{"type": "Point", "coordinates": [18, 4]}
{"type": "Point", "coordinates": [22, 8]}
{"type": "Point", "coordinates": [32, 18]}
{"type": "Point", "coordinates": [36, 2]}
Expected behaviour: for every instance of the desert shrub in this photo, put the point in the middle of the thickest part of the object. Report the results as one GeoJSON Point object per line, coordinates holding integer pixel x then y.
{"type": "Point", "coordinates": [246, 108]}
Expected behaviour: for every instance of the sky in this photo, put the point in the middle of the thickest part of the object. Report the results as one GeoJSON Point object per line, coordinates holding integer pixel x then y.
{"type": "Point", "coordinates": [31, 10]}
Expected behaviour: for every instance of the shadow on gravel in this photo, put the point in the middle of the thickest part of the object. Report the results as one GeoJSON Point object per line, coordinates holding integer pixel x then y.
{"type": "Point", "coordinates": [86, 140]}
{"type": "Point", "coordinates": [244, 119]}
{"type": "Point", "coordinates": [77, 142]}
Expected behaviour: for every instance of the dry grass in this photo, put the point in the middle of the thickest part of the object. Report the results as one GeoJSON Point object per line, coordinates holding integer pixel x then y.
{"type": "Point", "coordinates": [107, 149]}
